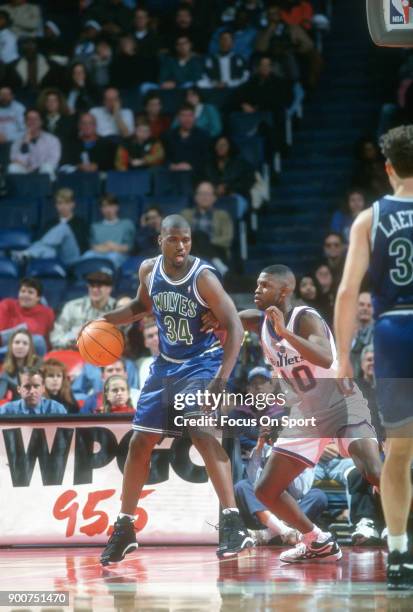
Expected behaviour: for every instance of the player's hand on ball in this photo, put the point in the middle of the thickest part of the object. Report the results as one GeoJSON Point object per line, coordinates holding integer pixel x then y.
{"type": "Point", "coordinates": [277, 319]}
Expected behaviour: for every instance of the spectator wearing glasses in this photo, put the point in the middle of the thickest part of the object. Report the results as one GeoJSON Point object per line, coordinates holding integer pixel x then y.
{"type": "Point", "coordinates": [81, 310]}
{"type": "Point", "coordinates": [32, 392]}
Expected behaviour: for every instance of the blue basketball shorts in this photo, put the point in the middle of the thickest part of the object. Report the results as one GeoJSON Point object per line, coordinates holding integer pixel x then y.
{"type": "Point", "coordinates": [393, 365]}
{"type": "Point", "coordinates": [169, 390]}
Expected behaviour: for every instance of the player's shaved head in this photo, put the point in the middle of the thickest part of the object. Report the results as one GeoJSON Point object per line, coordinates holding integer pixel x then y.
{"type": "Point", "coordinates": [176, 222]}
{"type": "Point", "coordinates": [283, 274]}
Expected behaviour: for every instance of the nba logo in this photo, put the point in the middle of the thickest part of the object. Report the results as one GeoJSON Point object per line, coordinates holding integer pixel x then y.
{"type": "Point", "coordinates": [399, 11]}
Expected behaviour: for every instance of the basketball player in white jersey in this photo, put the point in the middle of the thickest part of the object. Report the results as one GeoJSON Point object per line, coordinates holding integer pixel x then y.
{"type": "Point", "coordinates": [301, 349]}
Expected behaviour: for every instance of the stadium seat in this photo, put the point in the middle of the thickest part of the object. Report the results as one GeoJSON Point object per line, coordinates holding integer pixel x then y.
{"type": "Point", "coordinates": [45, 268]}
{"type": "Point", "coordinates": [14, 239]}
{"type": "Point", "coordinates": [167, 204]}
{"type": "Point", "coordinates": [83, 184]}
{"type": "Point", "coordinates": [247, 125]}
{"type": "Point", "coordinates": [133, 183]}
{"type": "Point", "coordinates": [27, 185]}
{"type": "Point", "coordinates": [171, 99]}
{"type": "Point", "coordinates": [19, 211]}
{"type": "Point", "coordinates": [8, 269]}
{"type": "Point", "coordinates": [91, 264]}
{"type": "Point", "coordinates": [9, 273]}
{"type": "Point", "coordinates": [131, 265]}
{"type": "Point", "coordinates": [128, 281]}
{"type": "Point", "coordinates": [167, 182]}
{"type": "Point", "coordinates": [252, 150]}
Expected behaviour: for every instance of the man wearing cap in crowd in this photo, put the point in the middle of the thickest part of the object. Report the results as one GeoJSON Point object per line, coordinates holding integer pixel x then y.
{"type": "Point", "coordinates": [81, 310]}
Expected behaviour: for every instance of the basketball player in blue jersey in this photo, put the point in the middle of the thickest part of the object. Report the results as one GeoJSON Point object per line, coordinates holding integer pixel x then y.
{"type": "Point", "coordinates": [382, 238]}
{"type": "Point", "coordinates": [300, 347]}
{"type": "Point", "coordinates": [179, 288]}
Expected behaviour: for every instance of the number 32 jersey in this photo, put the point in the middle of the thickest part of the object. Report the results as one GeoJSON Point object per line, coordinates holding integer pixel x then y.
{"type": "Point", "coordinates": [178, 309]}
{"type": "Point", "coordinates": [391, 266]}
{"type": "Point", "coordinates": [307, 384]}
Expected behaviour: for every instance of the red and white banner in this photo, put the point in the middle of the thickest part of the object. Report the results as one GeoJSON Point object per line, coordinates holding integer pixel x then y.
{"type": "Point", "coordinates": [61, 483]}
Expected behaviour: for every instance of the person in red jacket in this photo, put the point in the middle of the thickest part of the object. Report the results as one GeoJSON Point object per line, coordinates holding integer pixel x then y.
{"type": "Point", "coordinates": [26, 312]}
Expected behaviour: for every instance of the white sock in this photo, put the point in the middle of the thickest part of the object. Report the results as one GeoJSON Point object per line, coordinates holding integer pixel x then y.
{"type": "Point", "coordinates": [312, 535]}
{"type": "Point", "coordinates": [397, 543]}
{"type": "Point", "coordinates": [274, 524]}
{"type": "Point", "coordinates": [130, 516]}
{"type": "Point", "coordinates": [229, 510]}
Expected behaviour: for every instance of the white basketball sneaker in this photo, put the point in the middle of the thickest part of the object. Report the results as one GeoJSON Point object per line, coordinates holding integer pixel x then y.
{"type": "Point", "coordinates": [324, 549]}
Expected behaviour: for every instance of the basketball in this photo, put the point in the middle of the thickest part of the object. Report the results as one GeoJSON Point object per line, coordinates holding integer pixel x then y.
{"type": "Point", "coordinates": [101, 343]}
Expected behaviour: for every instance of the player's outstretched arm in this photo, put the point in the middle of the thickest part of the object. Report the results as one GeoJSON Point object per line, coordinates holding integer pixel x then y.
{"type": "Point", "coordinates": [224, 311]}
{"type": "Point", "coordinates": [311, 339]}
{"type": "Point", "coordinates": [140, 306]}
{"type": "Point", "coordinates": [345, 312]}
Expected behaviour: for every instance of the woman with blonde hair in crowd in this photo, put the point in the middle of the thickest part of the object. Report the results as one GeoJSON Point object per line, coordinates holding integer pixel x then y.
{"type": "Point", "coordinates": [116, 396]}
{"type": "Point", "coordinates": [20, 354]}
{"type": "Point", "coordinates": [57, 385]}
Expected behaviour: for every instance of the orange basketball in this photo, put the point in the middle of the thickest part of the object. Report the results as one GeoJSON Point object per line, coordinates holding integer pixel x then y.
{"type": "Point", "coordinates": [101, 343]}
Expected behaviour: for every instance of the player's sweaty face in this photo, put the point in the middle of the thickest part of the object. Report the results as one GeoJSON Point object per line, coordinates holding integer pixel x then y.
{"type": "Point", "coordinates": [176, 246]}
{"type": "Point", "coordinates": [268, 291]}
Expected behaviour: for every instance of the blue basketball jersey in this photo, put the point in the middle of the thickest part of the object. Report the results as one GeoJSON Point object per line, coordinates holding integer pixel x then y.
{"type": "Point", "coordinates": [178, 309]}
{"type": "Point", "coordinates": [391, 265]}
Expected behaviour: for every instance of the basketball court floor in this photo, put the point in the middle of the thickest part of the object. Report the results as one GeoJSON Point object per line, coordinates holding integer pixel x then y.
{"type": "Point", "coordinates": [192, 579]}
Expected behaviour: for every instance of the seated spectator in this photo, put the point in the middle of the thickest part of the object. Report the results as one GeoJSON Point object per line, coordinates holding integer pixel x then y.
{"type": "Point", "coordinates": [183, 25]}
{"type": "Point", "coordinates": [8, 41]}
{"type": "Point", "coordinates": [308, 291]}
{"type": "Point", "coordinates": [141, 151]}
{"type": "Point", "coordinates": [88, 152]}
{"type": "Point", "coordinates": [12, 126]}
{"type": "Point", "coordinates": [207, 116]}
{"type": "Point", "coordinates": [57, 385]}
{"type": "Point", "coordinates": [129, 69]}
{"type": "Point", "coordinates": [186, 145]}
{"type": "Point", "coordinates": [254, 9]}
{"type": "Point", "coordinates": [114, 16]}
{"type": "Point", "coordinates": [298, 12]}
{"type": "Point", "coordinates": [335, 255]}
{"type": "Point", "coordinates": [100, 64]}
{"type": "Point", "coordinates": [33, 70]}
{"type": "Point", "coordinates": [159, 122]}
{"type": "Point", "coordinates": [25, 17]}
{"type": "Point", "coordinates": [244, 35]}
{"type": "Point", "coordinates": [369, 172]}
{"type": "Point", "coordinates": [36, 151]}
{"type": "Point", "coordinates": [20, 354]}
{"type": "Point", "coordinates": [53, 45]}
{"type": "Point", "coordinates": [27, 313]}
{"type": "Point", "coordinates": [32, 394]}
{"type": "Point", "coordinates": [150, 336]}
{"type": "Point", "coordinates": [65, 237]}
{"type": "Point", "coordinates": [324, 278]}
{"type": "Point", "coordinates": [363, 334]}
{"type": "Point", "coordinates": [81, 94]}
{"type": "Point", "coordinates": [94, 379]}
{"type": "Point", "coordinates": [112, 238]}
{"type": "Point", "coordinates": [111, 118]}
{"type": "Point", "coordinates": [343, 219]}
{"type": "Point", "coordinates": [212, 229]}
{"type": "Point", "coordinates": [182, 70]}
{"type": "Point", "coordinates": [81, 310]}
{"type": "Point", "coordinates": [116, 397]}
{"type": "Point", "coordinates": [86, 44]}
{"type": "Point", "coordinates": [52, 107]}
{"type": "Point", "coordinates": [286, 43]}
{"type": "Point", "coordinates": [146, 242]}
{"type": "Point", "coordinates": [225, 68]}
{"type": "Point", "coordinates": [146, 36]}
{"type": "Point", "coordinates": [229, 172]}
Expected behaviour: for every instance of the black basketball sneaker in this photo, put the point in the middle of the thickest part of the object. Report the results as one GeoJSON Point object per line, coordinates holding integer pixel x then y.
{"type": "Point", "coordinates": [233, 535]}
{"type": "Point", "coordinates": [121, 542]}
{"type": "Point", "coordinates": [400, 571]}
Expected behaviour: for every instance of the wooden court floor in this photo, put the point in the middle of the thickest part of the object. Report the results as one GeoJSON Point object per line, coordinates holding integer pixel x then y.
{"type": "Point", "coordinates": [192, 579]}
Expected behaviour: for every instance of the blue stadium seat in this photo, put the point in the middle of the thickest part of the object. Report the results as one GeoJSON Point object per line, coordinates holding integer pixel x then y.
{"type": "Point", "coordinates": [167, 204]}
{"type": "Point", "coordinates": [14, 239]}
{"type": "Point", "coordinates": [91, 264]}
{"type": "Point", "coordinates": [167, 182]}
{"type": "Point", "coordinates": [128, 278]}
{"type": "Point", "coordinates": [8, 269]}
{"type": "Point", "coordinates": [83, 184]}
{"type": "Point", "coordinates": [246, 125]}
{"type": "Point", "coordinates": [131, 265]}
{"type": "Point", "coordinates": [19, 211]}
{"type": "Point", "coordinates": [171, 99]}
{"type": "Point", "coordinates": [9, 273]}
{"type": "Point", "coordinates": [130, 207]}
{"type": "Point", "coordinates": [132, 183]}
{"type": "Point", "coordinates": [46, 268]}
{"type": "Point", "coordinates": [252, 150]}
{"type": "Point", "coordinates": [29, 185]}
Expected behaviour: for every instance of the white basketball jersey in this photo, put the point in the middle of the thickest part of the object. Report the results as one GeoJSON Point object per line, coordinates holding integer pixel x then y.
{"type": "Point", "coordinates": [302, 376]}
